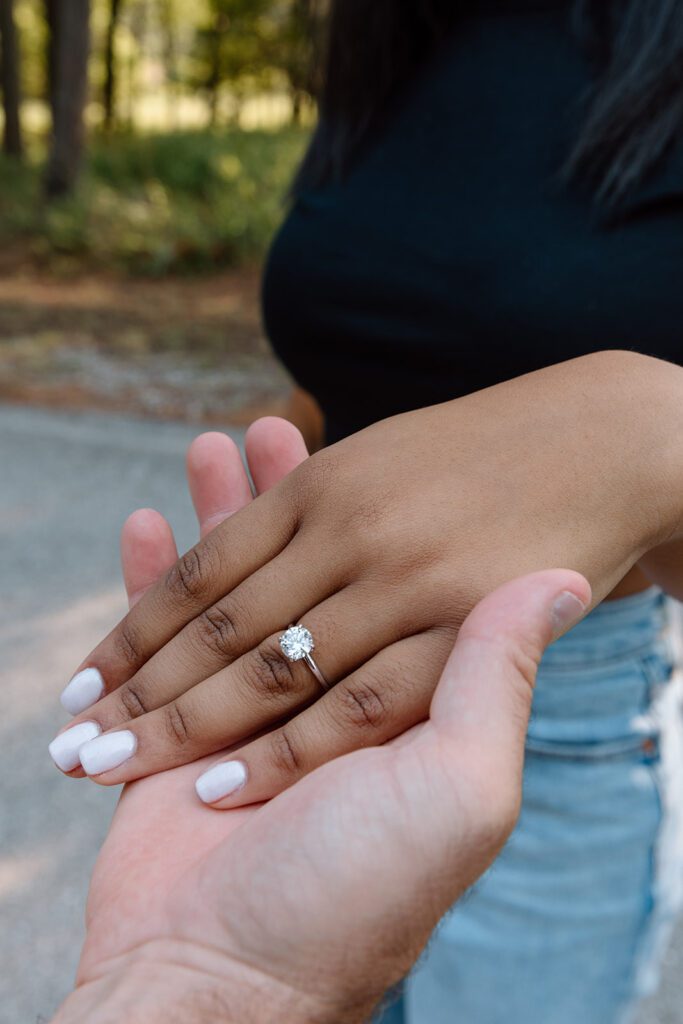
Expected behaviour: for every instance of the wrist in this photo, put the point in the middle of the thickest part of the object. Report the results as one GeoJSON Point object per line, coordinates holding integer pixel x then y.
{"type": "Point", "coordinates": [177, 983]}
{"type": "Point", "coordinates": [641, 403]}
{"type": "Point", "coordinates": [661, 418]}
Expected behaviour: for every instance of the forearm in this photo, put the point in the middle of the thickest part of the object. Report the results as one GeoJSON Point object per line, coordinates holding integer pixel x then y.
{"type": "Point", "coordinates": [632, 422]}
{"type": "Point", "coordinates": [153, 996]}
{"type": "Point", "coordinates": [184, 1000]}
{"type": "Point", "coordinates": [170, 983]}
{"type": "Point", "coordinates": [583, 464]}
{"type": "Point", "coordinates": [662, 421]}
{"type": "Point", "coordinates": [663, 412]}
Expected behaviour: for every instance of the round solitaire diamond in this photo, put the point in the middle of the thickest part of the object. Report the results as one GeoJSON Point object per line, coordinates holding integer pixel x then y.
{"type": "Point", "coordinates": [296, 643]}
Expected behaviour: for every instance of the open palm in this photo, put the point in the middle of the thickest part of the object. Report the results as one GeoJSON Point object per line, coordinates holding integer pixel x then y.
{"type": "Point", "coordinates": [329, 892]}
{"type": "Point", "coordinates": [335, 871]}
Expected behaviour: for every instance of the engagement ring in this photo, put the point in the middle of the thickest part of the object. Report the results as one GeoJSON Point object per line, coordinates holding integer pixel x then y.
{"type": "Point", "coordinates": [296, 644]}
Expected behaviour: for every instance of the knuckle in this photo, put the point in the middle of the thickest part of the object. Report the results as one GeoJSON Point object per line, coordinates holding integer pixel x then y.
{"type": "Point", "coordinates": [313, 479]}
{"type": "Point", "coordinates": [521, 653]}
{"type": "Point", "coordinates": [374, 536]}
{"type": "Point", "coordinates": [285, 755]}
{"type": "Point", "coordinates": [186, 580]}
{"type": "Point", "coordinates": [313, 489]}
{"type": "Point", "coordinates": [132, 703]}
{"type": "Point", "coordinates": [177, 724]}
{"type": "Point", "coordinates": [363, 705]}
{"type": "Point", "coordinates": [366, 525]}
{"type": "Point", "coordinates": [270, 674]}
{"type": "Point", "coordinates": [525, 659]}
{"type": "Point", "coordinates": [219, 631]}
{"type": "Point", "coordinates": [128, 644]}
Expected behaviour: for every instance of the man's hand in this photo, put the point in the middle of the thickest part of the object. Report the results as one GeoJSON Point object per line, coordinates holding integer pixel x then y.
{"type": "Point", "coordinates": [305, 910]}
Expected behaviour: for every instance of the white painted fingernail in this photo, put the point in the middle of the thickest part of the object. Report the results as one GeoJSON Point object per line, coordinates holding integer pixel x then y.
{"type": "Point", "coordinates": [108, 751]}
{"type": "Point", "coordinates": [220, 781]}
{"type": "Point", "coordinates": [85, 689]}
{"type": "Point", "coordinates": [65, 748]}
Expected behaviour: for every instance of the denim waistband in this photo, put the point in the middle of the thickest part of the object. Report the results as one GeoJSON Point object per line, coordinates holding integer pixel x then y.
{"type": "Point", "coordinates": [598, 686]}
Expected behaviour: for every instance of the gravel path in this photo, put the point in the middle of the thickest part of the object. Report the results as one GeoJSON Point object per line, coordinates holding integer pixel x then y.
{"type": "Point", "coordinates": [68, 482]}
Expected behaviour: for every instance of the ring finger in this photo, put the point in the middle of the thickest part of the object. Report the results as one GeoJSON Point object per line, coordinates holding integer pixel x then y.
{"type": "Point", "coordinates": [373, 705]}
{"type": "Point", "coordinates": [217, 638]}
{"type": "Point", "coordinates": [259, 690]}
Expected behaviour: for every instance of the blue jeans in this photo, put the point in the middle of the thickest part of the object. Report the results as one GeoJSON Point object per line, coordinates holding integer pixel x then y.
{"type": "Point", "coordinates": [569, 924]}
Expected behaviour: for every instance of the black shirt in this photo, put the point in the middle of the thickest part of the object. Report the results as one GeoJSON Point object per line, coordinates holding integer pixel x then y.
{"type": "Point", "coordinates": [451, 257]}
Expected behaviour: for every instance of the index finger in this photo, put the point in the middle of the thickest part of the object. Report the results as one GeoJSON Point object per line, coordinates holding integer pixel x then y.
{"type": "Point", "coordinates": [223, 559]}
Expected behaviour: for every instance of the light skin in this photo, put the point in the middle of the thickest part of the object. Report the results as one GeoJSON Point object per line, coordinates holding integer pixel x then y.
{"type": "Point", "coordinates": [381, 545]}
{"type": "Point", "coordinates": [308, 908]}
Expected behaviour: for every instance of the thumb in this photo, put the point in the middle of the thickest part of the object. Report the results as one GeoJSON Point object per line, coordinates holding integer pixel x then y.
{"type": "Point", "coordinates": [480, 711]}
{"type": "Point", "coordinates": [470, 754]}
{"type": "Point", "coordinates": [492, 669]}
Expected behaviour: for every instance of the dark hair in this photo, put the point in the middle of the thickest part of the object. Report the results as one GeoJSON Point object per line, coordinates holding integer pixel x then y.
{"type": "Point", "coordinates": [633, 111]}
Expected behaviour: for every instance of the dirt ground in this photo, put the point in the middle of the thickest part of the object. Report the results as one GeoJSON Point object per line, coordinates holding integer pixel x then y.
{"type": "Point", "coordinates": [186, 349]}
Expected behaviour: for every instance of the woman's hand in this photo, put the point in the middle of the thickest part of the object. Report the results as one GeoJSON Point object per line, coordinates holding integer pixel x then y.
{"type": "Point", "coordinates": [307, 909]}
{"type": "Point", "coordinates": [381, 545]}
{"type": "Point", "coordinates": [219, 486]}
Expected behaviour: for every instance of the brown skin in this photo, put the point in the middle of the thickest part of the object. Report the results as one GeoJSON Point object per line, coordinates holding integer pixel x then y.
{"type": "Point", "coordinates": [305, 413]}
{"type": "Point", "coordinates": [382, 544]}
{"type": "Point", "coordinates": [634, 582]}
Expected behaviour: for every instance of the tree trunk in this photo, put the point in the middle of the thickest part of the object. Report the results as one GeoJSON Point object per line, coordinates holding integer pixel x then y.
{"type": "Point", "coordinates": [297, 106]}
{"type": "Point", "coordinates": [50, 52]}
{"type": "Point", "coordinates": [307, 20]}
{"type": "Point", "coordinates": [110, 67]}
{"type": "Point", "coordinates": [214, 80]}
{"type": "Point", "coordinates": [9, 79]}
{"type": "Point", "coordinates": [69, 49]}
{"type": "Point", "coordinates": [170, 51]}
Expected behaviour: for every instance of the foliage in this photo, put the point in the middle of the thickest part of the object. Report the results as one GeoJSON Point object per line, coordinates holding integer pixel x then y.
{"type": "Point", "coordinates": [33, 34]}
{"type": "Point", "coordinates": [190, 48]}
{"type": "Point", "coordinates": [174, 200]}
{"type": "Point", "coordinates": [179, 202]}
{"type": "Point", "coordinates": [236, 44]}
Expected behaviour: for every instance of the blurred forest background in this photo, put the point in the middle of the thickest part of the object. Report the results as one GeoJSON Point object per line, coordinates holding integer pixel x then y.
{"type": "Point", "coordinates": [147, 150]}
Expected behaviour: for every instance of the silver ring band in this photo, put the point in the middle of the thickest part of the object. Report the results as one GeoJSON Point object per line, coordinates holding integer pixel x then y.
{"type": "Point", "coordinates": [316, 672]}
{"type": "Point", "coordinates": [296, 644]}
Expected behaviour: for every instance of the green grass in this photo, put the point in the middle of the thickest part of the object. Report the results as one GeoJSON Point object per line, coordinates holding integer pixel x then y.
{"type": "Point", "coordinates": [185, 202]}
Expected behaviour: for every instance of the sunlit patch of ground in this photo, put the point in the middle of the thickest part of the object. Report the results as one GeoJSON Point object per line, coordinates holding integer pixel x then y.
{"type": "Point", "coordinates": [188, 348]}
